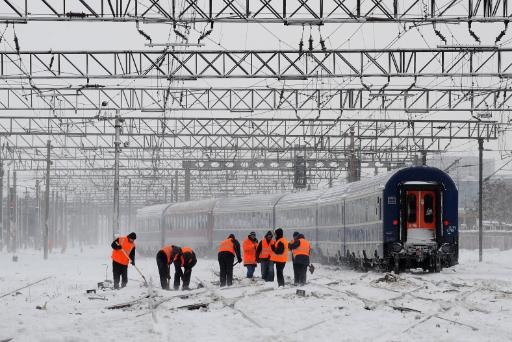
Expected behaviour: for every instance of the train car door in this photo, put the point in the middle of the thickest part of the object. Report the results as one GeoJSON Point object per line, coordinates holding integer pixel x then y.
{"type": "Point", "coordinates": [420, 215]}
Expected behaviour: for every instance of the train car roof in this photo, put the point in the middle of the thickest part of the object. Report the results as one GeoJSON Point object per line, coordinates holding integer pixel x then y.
{"type": "Point", "coordinates": [247, 203]}
{"type": "Point", "coordinates": [194, 206]}
{"type": "Point", "coordinates": [153, 210]}
{"type": "Point", "coordinates": [382, 180]}
{"type": "Point", "coordinates": [298, 198]}
{"type": "Point", "coordinates": [364, 185]}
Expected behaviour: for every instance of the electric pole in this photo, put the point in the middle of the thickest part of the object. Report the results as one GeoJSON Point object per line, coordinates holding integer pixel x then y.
{"type": "Point", "coordinates": [480, 171]}
{"type": "Point", "coordinates": [47, 200]}
{"type": "Point", "coordinates": [117, 147]}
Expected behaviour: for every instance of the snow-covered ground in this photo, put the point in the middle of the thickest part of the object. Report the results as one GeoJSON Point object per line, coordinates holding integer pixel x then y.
{"type": "Point", "coordinates": [469, 302]}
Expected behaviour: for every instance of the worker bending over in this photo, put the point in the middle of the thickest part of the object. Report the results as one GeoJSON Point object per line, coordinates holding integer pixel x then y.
{"type": "Point", "coordinates": [228, 249]}
{"type": "Point", "coordinates": [164, 258]}
{"type": "Point", "coordinates": [249, 247]}
{"type": "Point", "coordinates": [186, 259]}
{"type": "Point", "coordinates": [301, 250]}
{"type": "Point", "coordinates": [123, 252]}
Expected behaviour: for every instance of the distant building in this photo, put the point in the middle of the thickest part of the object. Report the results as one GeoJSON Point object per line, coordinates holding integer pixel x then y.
{"type": "Point", "coordinates": [464, 171]}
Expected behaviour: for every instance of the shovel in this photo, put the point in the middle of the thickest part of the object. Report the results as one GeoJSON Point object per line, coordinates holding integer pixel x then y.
{"type": "Point", "coordinates": [130, 260]}
{"type": "Point", "coordinates": [311, 268]}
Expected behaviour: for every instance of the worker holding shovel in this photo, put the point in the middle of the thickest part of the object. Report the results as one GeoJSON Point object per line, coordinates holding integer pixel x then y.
{"type": "Point", "coordinates": [123, 252]}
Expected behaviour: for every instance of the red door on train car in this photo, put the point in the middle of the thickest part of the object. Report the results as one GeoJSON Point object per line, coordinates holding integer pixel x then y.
{"type": "Point", "coordinates": [420, 215]}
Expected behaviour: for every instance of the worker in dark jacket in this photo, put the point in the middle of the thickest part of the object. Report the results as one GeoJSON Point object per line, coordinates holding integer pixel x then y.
{"type": "Point", "coordinates": [186, 259]}
{"type": "Point", "coordinates": [227, 251]}
{"type": "Point", "coordinates": [280, 255]}
{"type": "Point", "coordinates": [301, 250]}
{"type": "Point", "coordinates": [123, 252]}
{"type": "Point", "coordinates": [263, 253]}
{"type": "Point", "coordinates": [164, 259]}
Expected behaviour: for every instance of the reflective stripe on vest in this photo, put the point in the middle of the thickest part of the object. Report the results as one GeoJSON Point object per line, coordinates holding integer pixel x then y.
{"type": "Point", "coordinates": [303, 249]}
{"type": "Point", "coordinates": [118, 255]}
{"type": "Point", "coordinates": [249, 247]}
{"type": "Point", "coordinates": [266, 250]}
{"type": "Point", "coordinates": [283, 257]}
{"type": "Point", "coordinates": [168, 251]}
{"type": "Point", "coordinates": [227, 246]}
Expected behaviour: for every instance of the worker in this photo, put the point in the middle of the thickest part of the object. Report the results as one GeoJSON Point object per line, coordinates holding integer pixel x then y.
{"type": "Point", "coordinates": [164, 258]}
{"type": "Point", "coordinates": [249, 247]}
{"type": "Point", "coordinates": [186, 259]}
{"type": "Point", "coordinates": [123, 252]}
{"type": "Point", "coordinates": [228, 249]}
{"type": "Point", "coordinates": [263, 253]}
{"type": "Point", "coordinates": [301, 249]}
{"type": "Point", "coordinates": [279, 255]}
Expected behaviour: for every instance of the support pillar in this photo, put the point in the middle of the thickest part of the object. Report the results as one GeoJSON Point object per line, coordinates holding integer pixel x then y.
{"type": "Point", "coordinates": [176, 187]}
{"type": "Point", "coordinates": [117, 148]}
{"type": "Point", "coordinates": [8, 213]}
{"type": "Point", "coordinates": [480, 218]}
{"type": "Point", "coordinates": [47, 201]}
{"type": "Point", "coordinates": [129, 216]}
{"type": "Point", "coordinates": [14, 207]}
{"type": "Point", "coordinates": [187, 184]}
{"type": "Point", "coordinates": [2, 233]}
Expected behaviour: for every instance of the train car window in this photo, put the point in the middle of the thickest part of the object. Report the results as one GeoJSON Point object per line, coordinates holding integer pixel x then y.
{"type": "Point", "coordinates": [411, 208]}
{"type": "Point", "coordinates": [428, 208]}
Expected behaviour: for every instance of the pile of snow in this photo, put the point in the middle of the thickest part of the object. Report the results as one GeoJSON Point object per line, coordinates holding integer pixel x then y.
{"type": "Point", "coordinates": [470, 302]}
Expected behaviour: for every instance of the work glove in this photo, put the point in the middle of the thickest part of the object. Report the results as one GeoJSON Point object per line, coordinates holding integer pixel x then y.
{"type": "Point", "coordinates": [133, 263]}
{"type": "Point", "coordinates": [239, 261]}
{"type": "Point", "coordinates": [258, 260]}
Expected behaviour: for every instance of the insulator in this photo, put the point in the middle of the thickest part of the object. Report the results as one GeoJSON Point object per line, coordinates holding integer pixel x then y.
{"type": "Point", "coordinates": [322, 44]}
{"type": "Point", "coordinates": [76, 15]}
{"type": "Point", "coordinates": [502, 33]}
{"type": "Point", "coordinates": [473, 34]}
{"type": "Point", "coordinates": [310, 40]}
{"type": "Point", "coordinates": [16, 43]}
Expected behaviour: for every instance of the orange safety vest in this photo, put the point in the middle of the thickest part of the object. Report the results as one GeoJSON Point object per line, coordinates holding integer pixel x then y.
{"type": "Point", "coordinates": [168, 251]}
{"type": "Point", "coordinates": [227, 246]}
{"type": "Point", "coordinates": [303, 249]}
{"type": "Point", "coordinates": [118, 255]}
{"type": "Point", "coordinates": [281, 257]}
{"type": "Point", "coordinates": [266, 250]}
{"type": "Point", "coordinates": [250, 247]}
{"type": "Point", "coordinates": [183, 251]}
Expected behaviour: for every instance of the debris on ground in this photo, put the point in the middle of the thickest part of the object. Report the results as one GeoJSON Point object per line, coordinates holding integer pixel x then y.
{"type": "Point", "coordinates": [388, 278]}
{"type": "Point", "coordinates": [196, 306]}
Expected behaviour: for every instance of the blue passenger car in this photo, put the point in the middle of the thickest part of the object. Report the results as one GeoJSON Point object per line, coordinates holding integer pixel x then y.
{"type": "Point", "coordinates": [406, 218]}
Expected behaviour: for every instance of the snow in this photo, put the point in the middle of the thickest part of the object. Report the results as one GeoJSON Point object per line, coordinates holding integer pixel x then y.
{"type": "Point", "coordinates": [469, 302]}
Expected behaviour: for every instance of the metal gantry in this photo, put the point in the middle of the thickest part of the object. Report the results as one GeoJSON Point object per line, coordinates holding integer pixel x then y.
{"type": "Point", "coordinates": [288, 12]}
{"type": "Point", "coordinates": [476, 61]}
{"type": "Point", "coordinates": [96, 98]}
{"type": "Point", "coordinates": [245, 133]}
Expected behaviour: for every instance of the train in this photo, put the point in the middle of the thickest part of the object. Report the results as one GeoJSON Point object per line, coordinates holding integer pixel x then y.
{"type": "Point", "coordinates": [403, 219]}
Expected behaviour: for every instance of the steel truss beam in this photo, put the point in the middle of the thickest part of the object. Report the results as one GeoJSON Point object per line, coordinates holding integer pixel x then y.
{"type": "Point", "coordinates": [162, 165]}
{"type": "Point", "coordinates": [289, 12]}
{"type": "Point", "coordinates": [205, 136]}
{"type": "Point", "coordinates": [190, 131]}
{"type": "Point", "coordinates": [284, 65]}
{"type": "Point", "coordinates": [161, 99]}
